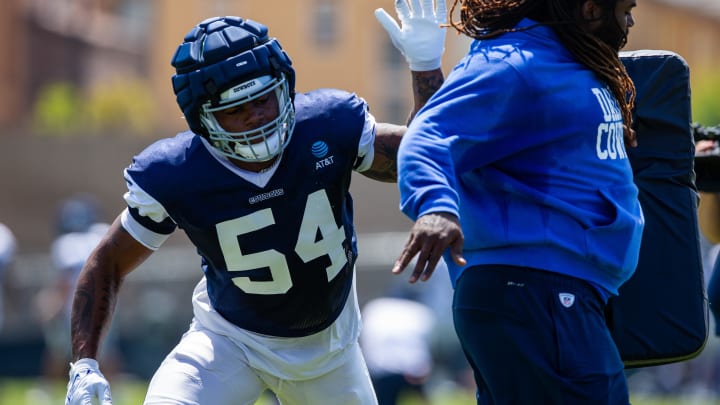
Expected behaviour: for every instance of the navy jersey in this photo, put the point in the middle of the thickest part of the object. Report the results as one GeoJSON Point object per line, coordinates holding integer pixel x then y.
{"type": "Point", "coordinates": [278, 259]}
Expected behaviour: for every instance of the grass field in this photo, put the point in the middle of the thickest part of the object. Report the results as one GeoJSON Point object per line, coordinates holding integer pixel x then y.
{"type": "Point", "coordinates": [30, 392]}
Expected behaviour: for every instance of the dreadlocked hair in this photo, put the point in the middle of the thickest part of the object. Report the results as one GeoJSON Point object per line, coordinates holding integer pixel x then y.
{"type": "Point", "coordinates": [485, 19]}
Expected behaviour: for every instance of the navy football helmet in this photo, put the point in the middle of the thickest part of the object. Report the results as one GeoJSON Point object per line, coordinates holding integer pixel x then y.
{"type": "Point", "coordinates": [227, 61]}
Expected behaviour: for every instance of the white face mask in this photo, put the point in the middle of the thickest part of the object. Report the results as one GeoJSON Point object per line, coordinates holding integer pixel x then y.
{"type": "Point", "coordinates": [259, 144]}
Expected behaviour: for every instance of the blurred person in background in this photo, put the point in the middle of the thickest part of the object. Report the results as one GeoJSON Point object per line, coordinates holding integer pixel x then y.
{"type": "Point", "coordinates": [410, 371]}
{"type": "Point", "coordinates": [709, 222]}
{"type": "Point", "coordinates": [78, 229]}
{"type": "Point", "coordinates": [395, 340]}
{"type": "Point", "coordinates": [451, 371]}
{"type": "Point", "coordinates": [8, 247]}
{"type": "Point", "coordinates": [707, 367]}
{"type": "Point", "coordinates": [260, 185]}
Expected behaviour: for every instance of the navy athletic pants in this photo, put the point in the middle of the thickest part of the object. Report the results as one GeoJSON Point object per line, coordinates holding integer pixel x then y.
{"type": "Point", "coordinates": [535, 337]}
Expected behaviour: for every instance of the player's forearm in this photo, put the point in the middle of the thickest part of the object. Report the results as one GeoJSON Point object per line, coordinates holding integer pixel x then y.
{"type": "Point", "coordinates": [424, 85]}
{"type": "Point", "coordinates": [387, 141]}
{"type": "Point", "coordinates": [98, 285]}
{"type": "Point", "coordinates": [93, 304]}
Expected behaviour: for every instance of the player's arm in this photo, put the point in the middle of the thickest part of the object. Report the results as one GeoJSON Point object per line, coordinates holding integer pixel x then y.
{"type": "Point", "coordinates": [98, 285]}
{"type": "Point", "coordinates": [385, 147]}
{"type": "Point", "coordinates": [424, 84]}
{"type": "Point", "coordinates": [94, 301]}
{"type": "Point", "coordinates": [388, 136]}
{"type": "Point", "coordinates": [420, 37]}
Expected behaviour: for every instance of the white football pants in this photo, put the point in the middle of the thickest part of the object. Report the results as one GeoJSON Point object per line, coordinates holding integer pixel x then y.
{"type": "Point", "coordinates": [206, 368]}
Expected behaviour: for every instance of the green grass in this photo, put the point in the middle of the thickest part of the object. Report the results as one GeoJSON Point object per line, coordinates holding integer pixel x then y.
{"type": "Point", "coordinates": [36, 392]}
{"type": "Point", "coordinates": [32, 392]}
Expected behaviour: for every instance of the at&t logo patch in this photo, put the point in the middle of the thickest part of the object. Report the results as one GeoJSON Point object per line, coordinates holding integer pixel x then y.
{"type": "Point", "coordinates": [320, 150]}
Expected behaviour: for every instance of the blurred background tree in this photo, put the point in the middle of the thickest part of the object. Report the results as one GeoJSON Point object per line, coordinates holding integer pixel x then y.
{"type": "Point", "coordinates": [123, 106]}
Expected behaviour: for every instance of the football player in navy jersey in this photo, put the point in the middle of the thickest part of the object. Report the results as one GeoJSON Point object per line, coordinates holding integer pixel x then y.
{"type": "Point", "coordinates": [260, 186]}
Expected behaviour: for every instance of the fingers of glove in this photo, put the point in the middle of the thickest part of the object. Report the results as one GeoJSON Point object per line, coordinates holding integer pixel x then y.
{"type": "Point", "coordinates": [86, 387]}
{"type": "Point", "coordinates": [403, 10]}
{"type": "Point", "coordinates": [100, 389]}
{"type": "Point", "coordinates": [417, 9]}
{"type": "Point", "coordinates": [428, 10]}
{"type": "Point", "coordinates": [388, 23]}
{"type": "Point", "coordinates": [434, 12]}
{"type": "Point", "coordinates": [80, 397]}
{"type": "Point", "coordinates": [106, 397]}
{"type": "Point", "coordinates": [94, 399]}
{"type": "Point", "coordinates": [441, 11]}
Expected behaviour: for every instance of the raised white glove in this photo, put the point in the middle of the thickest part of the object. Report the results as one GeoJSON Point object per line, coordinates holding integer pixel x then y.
{"type": "Point", "coordinates": [87, 384]}
{"type": "Point", "coordinates": [419, 38]}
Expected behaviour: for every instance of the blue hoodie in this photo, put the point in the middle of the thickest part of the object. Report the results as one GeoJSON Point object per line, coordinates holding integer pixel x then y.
{"type": "Point", "coordinates": [525, 145]}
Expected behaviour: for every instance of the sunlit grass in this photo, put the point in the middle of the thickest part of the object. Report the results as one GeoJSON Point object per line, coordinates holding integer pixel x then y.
{"type": "Point", "coordinates": [131, 392]}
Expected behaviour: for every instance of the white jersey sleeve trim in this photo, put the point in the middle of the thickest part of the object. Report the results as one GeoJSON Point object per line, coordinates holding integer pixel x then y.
{"type": "Point", "coordinates": [146, 205]}
{"type": "Point", "coordinates": [148, 238]}
{"type": "Point", "coordinates": [366, 148]}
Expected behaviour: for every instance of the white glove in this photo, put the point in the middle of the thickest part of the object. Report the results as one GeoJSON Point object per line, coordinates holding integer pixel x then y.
{"type": "Point", "coordinates": [86, 384]}
{"type": "Point", "coordinates": [421, 40]}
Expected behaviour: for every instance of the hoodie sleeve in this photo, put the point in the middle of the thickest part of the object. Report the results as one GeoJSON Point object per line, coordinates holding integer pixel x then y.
{"type": "Point", "coordinates": [464, 126]}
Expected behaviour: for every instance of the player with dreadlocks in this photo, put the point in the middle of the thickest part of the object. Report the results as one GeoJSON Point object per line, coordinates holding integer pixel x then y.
{"type": "Point", "coordinates": [484, 19]}
{"type": "Point", "coordinates": [516, 171]}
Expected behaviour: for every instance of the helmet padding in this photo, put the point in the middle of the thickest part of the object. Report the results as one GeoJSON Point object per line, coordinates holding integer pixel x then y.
{"type": "Point", "coordinates": [220, 53]}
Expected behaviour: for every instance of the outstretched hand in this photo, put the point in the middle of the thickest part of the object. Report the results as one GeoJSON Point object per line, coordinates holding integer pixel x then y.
{"type": "Point", "coordinates": [429, 237]}
{"type": "Point", "coordinates": [419, 37]}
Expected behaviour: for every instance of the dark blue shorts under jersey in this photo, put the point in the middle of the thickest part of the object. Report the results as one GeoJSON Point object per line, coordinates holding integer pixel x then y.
{"type": "Point", "coordinates": [534, 337]}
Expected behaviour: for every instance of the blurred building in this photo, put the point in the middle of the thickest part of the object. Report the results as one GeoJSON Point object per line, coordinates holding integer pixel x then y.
{"type": "Point", "coordinates": [333, 43]}
{"type": "Point", "coordinates": [82, 42]}
{"type": "Point", "coordinates": [91, 44]}
{"type": "Point", "coordinates": [690, 28]}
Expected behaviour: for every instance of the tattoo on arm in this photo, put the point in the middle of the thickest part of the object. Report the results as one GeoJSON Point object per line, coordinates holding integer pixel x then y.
{"type": "Point", "coordinates": [388, 136]}
{"type": "Point", "coordinates": [96, 293]}
{"type": "Point", "coordinates": [387, 141]}
{"type": "Point", "coordinates": [92, 308]}
{"type": "Point", "coordinates": [424, 84]}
